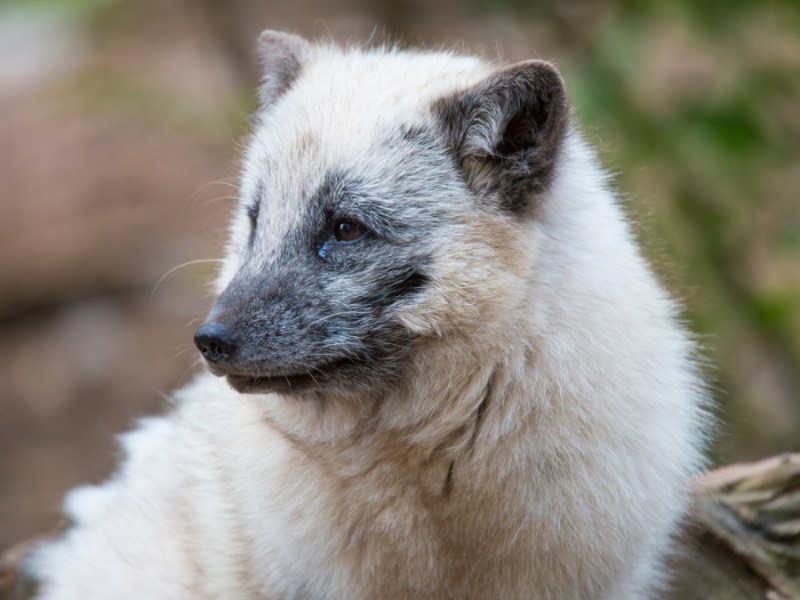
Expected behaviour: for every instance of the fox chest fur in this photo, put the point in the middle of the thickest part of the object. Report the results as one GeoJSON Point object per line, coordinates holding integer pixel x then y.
{"type": "Point", "coordinates": [438, 366]}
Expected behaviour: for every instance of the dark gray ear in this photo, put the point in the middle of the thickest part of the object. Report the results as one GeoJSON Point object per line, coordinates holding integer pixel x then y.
{"type": "Point", "coordinates": [282, 56]}
{"type": "Point", "coordinates": [505, 132]}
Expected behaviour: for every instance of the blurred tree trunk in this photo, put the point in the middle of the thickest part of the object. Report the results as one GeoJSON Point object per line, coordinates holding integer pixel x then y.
{"type": "Point", "coordinates": [742, 541]}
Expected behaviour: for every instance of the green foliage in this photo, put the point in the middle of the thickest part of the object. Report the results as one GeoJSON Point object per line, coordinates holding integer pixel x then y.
{"type": "Point", "coordinates": [68, 7]}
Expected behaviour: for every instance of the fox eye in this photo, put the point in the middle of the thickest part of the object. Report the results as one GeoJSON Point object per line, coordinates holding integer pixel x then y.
{"type": "Point", "coordinates": [252, 214]}
{"type": "Point", "coordinates": [348, 231]}
{"type": "Point", "coordinates": [343, 233]}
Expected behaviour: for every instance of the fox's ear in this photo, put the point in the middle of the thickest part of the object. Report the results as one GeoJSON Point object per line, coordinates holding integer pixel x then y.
{"type": "Point", "coordinates": [505, 132]}
{"type": "Point", "coordinates": [282, 56]}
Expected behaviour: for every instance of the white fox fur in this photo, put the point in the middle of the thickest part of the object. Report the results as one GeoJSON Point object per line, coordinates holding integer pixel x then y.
{"type": "Point", "coordinates": [568, 484]}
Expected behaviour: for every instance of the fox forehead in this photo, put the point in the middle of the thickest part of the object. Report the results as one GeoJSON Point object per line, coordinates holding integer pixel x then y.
{"type": "Point", "coordinates": [344, 103]}
{"type": "Point", "coordinates": [345, 95]}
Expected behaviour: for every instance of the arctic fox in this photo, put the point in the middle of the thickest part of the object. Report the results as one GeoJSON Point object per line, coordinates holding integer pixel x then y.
{"type": "Point", "coordinates": [438, 365]}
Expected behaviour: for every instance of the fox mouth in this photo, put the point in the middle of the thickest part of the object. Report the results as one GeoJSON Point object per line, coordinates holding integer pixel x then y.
{"type": "Point", "coordinates": [262, 384]}
{"type": "Point", "coordinates": [289, 381]}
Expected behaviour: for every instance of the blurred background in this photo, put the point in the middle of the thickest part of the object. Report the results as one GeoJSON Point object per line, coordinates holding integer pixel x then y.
{"type": "Point", "coordinates": [119, 130]}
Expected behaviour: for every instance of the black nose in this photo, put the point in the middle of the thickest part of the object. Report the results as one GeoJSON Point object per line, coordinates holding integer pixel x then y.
{"type": "Point", "coordinates": [214, 342]}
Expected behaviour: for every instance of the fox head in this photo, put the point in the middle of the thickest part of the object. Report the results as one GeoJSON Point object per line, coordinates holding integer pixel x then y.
{"type": "Point", "coordinates": [388, 200]}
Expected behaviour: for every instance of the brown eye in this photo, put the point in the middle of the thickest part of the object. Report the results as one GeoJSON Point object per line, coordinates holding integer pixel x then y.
{"type": "Point", "coordinates": [347, 231]}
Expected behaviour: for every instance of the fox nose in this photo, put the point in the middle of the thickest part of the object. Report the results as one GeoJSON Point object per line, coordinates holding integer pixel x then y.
{"type": "Point", "coordinates": [215, 342]}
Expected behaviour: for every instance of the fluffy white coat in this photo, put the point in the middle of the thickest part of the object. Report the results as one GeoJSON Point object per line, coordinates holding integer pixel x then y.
{"type": "Point", "coordinates": [571, 488]}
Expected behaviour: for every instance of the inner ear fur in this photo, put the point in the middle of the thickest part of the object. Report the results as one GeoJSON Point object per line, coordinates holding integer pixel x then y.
{"type": "Point", "coordinates": [281, 56]}
{"type": "Point", "coordinates": [505, 132]}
